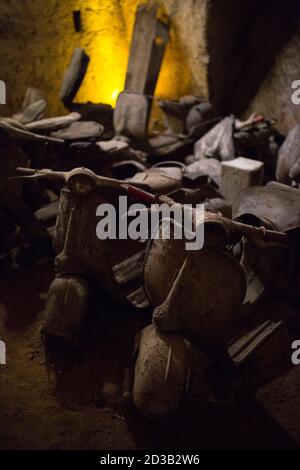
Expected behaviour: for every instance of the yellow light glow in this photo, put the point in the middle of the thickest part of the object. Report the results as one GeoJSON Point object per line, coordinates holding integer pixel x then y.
{"type": "Point", "coordinates": [114, 95]}
{"type": "Point", "coordinates": [108, 28]}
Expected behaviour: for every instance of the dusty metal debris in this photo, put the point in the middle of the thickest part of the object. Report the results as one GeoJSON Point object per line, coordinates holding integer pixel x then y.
{"type": "Point", "coordinates": [24, 134]}
{"type": "Point", "coordinates": [207, 166]}
{"type": "Point", "coordinates": [75, 233]}
{"type": "Point", "coordinates": [52, 124]}
{"type": "Point", "coordinates": [199, 119]}
{"type": "Point", "coordinates": [149, 40]}
{"type": "Point", "coordinates": [80, 131]}
{"type": "Point", "coordinates": [161, 180]}
{"type": "Point", "coordinates": [171, 284]}
{"type": "Point", "coordinates": [70, 295]}
{"type": "Point", "coordinates": [218, 142]}
{"type": "Point", "coordinates": [74, 76]}
{"type": "Point", "coordinates": [255, 138]}
{"type": "Point", "coordinates": [277, 203]}
{"type": "Point", "coordinates": [274, 206]}
{"type": "Point", "coordinates": [163, 366]}
{"type": "Point", "coordinates": [33, 106]}
{"type": "Point", "coordinates": [211, 309]}
{"type": "Point", "coordinates": [131, 115]}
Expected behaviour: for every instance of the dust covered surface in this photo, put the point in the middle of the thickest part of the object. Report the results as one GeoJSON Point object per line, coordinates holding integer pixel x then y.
{"type": "Point", "coordinates": [71, 398]}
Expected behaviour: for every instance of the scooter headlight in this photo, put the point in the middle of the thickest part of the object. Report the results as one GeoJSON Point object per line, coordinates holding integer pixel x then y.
{"type": "Point", "coordinates": [81, 184]}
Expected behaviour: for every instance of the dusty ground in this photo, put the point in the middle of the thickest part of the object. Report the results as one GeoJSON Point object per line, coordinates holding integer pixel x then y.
{"type": "Point", "coordinates": [71, 399]}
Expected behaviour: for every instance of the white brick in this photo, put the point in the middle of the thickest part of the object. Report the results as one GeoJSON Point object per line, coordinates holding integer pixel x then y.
{"type": "Point", "coordinates": [240, 174]}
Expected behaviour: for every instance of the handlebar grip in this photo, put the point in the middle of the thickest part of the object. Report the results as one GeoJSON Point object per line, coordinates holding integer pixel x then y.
{"type": "Point", "coordinates": [141, 195]}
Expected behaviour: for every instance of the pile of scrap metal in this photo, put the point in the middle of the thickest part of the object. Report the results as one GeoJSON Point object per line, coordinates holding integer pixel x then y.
{"type": "Point", "coordinates": [109, 142]}
{"type": "Point", "coordinates": [221, 315]}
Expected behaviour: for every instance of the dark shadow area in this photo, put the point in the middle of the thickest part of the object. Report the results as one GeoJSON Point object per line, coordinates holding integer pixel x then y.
{"type": "Point", "coordinates": [105, 350]}
{"type": "Point", "coordinates": [243, 40]}
{"type": "Point", "coordinates": [242, 426]}
{"type": "Point", "coordinates": [19, 293]}
{"type": "Point", "coordinates": [89, 375]}
{"type": "Point", "coordinates": [101, 354]}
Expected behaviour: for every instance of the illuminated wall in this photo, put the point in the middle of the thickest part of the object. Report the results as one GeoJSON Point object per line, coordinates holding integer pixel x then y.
{"type": "Point", "coordinates": [37, 38]}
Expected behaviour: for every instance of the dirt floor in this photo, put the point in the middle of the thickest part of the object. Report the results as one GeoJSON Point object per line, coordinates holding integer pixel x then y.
{"type": "Point", "coordinates": [71, 399]}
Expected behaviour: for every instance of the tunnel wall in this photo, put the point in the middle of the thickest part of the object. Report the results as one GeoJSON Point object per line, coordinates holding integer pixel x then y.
{"type": "Point", "coordinates": [243, 56]}
{"type": "Point", "coordinates": [274, 95]}
{"type": "Point", "coordinates": [37, 38]}
{"type": "Point", "coordinates": [254, 48]}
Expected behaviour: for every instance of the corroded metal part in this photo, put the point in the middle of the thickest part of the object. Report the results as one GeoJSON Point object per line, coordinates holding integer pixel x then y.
{"type": "Point", "coordinates": [200, 294]}
{"type": "Point", "coordinates": [67, 306]}
{"type": "Point", "coordinates": [278, 203]}
{"type": "Point", "coordinates": [20, 133]}
{"type": "Point", "coordinates": [218, 142]}
{"type": "Point", "coordinates": [74, 75]}
{"type": "Point", "coordinates": [131, 115]}
{"type": "Point", "coordinates": [163, 368]}
{"type": "Point", "coordinates": [81, 130]}
{"type": "Point", "coordinates": [33, 106]}
{"type": "Point", "coordinates": [160, 180]}
{"type": "Point", "coordinates": [149, 41]}
{"type": "Point", "coordinates": [53, 124]}
{"type": "Point", "coordinates": [270, 265]}
{"type": "Point", "coordinates": [209, 166]}
{"type": "Point", "coordinates": [267, 261]}
{"type": "Point", "coordinates": [76, 243]}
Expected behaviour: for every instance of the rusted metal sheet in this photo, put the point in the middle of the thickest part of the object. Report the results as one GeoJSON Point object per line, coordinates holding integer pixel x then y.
{"type": "Point", "coordinates": [275, 202]}
{"type": "Point", "coordinates": [74, 75]}
{"type": "Point", "coordinates": [149, 40]}
{"type": "Point", "coordinates": [200, 295]}
{"type": "Point", "coordinates": [163, 368]}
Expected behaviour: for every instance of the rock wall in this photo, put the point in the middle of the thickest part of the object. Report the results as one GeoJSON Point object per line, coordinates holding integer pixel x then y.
{"type": "Point", "coordinates": [274, 95]}
{"type": "Point", "coordinates": [37, 38]}
{"type": "Point", "coordinates": [243, 56]}
{"type": "Point", "coordinates": [246, 43]}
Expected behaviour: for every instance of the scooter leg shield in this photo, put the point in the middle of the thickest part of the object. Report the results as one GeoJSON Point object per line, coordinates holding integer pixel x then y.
{"type": "Point", "coordinates": [205, 299]}
{"type": "Point", "coordinates": [67, 306]}
{"type": "Point", "coordinates": [160, 373]}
